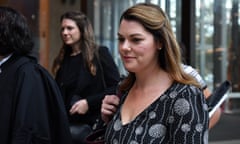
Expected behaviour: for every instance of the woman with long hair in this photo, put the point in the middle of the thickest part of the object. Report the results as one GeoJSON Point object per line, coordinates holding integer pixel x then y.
{"type": "Point", "coordinates": [85, 72]}
{"type": "Point", "coordinates": [160, 103]}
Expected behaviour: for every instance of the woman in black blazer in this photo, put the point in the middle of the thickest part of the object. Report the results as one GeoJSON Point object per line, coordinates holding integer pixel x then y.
{"type": "Point", "coordinates": [84, 71]}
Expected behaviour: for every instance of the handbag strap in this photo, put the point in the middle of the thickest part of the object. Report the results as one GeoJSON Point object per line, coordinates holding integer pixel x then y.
{"type": "Point", "coordinates": [101, 70]}
{"type": "Point", "coordinates": [102, 74]}
{"type": "Point", "coordinates": [99, 122]}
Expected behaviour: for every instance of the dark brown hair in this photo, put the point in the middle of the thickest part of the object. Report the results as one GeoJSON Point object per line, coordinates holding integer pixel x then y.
{"type": "Point", "coordinates": [87, 41]}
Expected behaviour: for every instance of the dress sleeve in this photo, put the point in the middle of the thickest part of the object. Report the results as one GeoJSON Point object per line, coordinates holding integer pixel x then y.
{"type": "Point", "coordinates": [188, 122]}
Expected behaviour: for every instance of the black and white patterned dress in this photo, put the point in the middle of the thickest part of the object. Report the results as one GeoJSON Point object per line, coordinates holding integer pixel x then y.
{"type": "Point", "coordinates": [179, 116]}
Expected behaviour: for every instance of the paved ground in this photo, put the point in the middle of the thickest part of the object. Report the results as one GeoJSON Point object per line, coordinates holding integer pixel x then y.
{"type": "Point", "coordinates": [227, 130]}
{"type": "Point", "coordinates": [226, 142]}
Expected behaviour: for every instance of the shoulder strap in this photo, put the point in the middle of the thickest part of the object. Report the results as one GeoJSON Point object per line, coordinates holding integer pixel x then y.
{"type": "Point", "coordinates": [99, 57]}
{"type": "Point", "coordinates": [102, 75]}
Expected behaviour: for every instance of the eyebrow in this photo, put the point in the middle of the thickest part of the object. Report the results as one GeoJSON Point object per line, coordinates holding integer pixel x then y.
{"type": "Point", "coordinates": [132, 35]}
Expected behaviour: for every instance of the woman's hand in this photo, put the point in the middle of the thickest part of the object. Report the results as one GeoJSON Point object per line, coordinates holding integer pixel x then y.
{"type": "Point", "coordinates": [109, 107]}
{"type": "Point", "coordinates": [80, 107]}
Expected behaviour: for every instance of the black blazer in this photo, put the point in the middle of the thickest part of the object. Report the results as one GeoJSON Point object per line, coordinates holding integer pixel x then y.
{"type": "Point", "coordinates": [76, 82]}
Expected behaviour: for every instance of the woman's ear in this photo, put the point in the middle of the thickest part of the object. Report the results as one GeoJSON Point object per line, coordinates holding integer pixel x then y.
{"type": "Point", "coordinates": [159, 45]}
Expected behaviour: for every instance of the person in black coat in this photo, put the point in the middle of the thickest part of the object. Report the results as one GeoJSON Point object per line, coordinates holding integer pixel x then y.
{"type": "Point", "coordinates": [31, 106]}
{"type": "Point", "coordinates": [85, 72]}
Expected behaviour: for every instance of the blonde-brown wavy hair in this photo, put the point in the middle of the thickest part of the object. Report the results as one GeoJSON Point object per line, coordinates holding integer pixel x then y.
{"type": "Point", "coordinates": [155, 21]}
{"type": "Point", "coordinates": [87, 42]}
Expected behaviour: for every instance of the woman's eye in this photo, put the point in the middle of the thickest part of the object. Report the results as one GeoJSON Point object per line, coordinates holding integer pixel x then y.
{"type": "Point", "coordinates": [136, 39]}
{"type": "Point", "coordinates": [69, 28]}
{"type": "Point", "coordinates": [66, 28]}
{"type": "Point", "coordinates": [120, 39]}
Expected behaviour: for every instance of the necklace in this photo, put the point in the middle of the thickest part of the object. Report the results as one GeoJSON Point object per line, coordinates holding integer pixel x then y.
{"type": "Point", "coordinates": [75, 53]}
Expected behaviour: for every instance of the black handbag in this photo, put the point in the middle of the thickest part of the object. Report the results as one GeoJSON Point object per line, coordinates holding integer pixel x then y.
{"type": "Point", "coordinates": [96, 137]}
{"type": "Point", "coordinates": [79, 132]}
{"type": "Point", "coordinates": [99, 128]}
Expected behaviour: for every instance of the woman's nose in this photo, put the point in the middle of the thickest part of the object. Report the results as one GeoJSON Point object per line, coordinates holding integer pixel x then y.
{"type": "Point", "coordinates": [64, 31]}
{"type": "Point", "coordinates": [125, 45]}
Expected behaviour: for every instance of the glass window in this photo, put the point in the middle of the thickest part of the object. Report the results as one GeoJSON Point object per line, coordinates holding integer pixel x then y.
{"type": "Point", "coordinates": [204, 39]}
{"type": "Point", "coordinates": [217, 41]}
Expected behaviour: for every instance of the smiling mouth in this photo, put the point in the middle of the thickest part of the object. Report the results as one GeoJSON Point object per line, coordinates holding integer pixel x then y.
{"type": "Point", "coordinates": [65, 39]}
{"type": "Point", "coordinates": [127, 58]}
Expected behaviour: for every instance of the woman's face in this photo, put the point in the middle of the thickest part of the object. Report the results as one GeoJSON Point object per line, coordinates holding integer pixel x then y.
{"type": "Point", "coordinates": [137, 47]}
{"type": "Point", "coordinates": [70, 32]}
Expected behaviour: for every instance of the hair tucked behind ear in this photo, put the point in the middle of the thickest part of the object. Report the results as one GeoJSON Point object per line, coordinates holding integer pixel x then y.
{"type": "Point", "coordinates": [155, 21]}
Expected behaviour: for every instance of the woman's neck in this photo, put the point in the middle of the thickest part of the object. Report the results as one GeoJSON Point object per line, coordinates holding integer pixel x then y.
{"type": "Point", "coordinates": [159, 77]}
{"type": "Point", "coordinates": [75, 53]}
